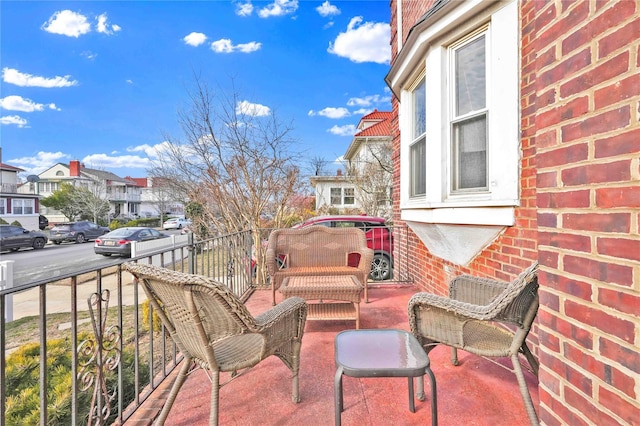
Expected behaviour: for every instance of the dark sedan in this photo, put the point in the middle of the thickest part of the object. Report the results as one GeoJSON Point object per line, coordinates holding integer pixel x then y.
{"type": "Point", "coordinates": [119, 241]}
{"type": "Point", "coordinates": [14, 238]}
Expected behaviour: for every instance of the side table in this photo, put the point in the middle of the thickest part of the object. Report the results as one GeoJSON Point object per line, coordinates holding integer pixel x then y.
{"type": "Point", "coordinates": [381, 353]}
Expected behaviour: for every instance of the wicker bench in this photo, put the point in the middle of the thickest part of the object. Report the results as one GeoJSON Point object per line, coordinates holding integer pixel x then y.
{"type": "Point", "coordinates": [318, 251]}
{"type": "Point", "coordinates": [335, 297]}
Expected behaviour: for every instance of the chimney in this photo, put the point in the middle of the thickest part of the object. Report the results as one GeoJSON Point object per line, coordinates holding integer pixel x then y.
{"type": "Point", "coordinates": [74, 168]}
{"type": "Point", "coordinates": [339, 172]}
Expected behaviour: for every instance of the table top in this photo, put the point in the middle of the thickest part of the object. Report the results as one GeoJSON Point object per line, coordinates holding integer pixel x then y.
{"type": "Point", "coordinates": [381, 353]}
{"type": "Point", "coordinates": [322, 280]}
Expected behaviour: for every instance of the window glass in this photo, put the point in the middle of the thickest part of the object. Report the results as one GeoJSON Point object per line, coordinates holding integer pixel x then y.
{"type": "Point", "coordinates": [336, 196]}
{"type": "Point", "coordinates": [349, 196]}
{"type": "Point", "coordinates": [3, 206]}
{"type": "Point", "coordinates": [469, 124]}
{"type": "Point", "coordinates": [22, 206]}
{"type": "Point", "coordinates": [419, 110]}
{"type": "Point", "coordinates": [418, 167]}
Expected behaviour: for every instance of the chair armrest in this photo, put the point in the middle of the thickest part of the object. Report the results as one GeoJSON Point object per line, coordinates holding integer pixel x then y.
{"type": "Point", "coordinates": [270, 260]}
{"type": "Point", "coordinates": [475, 290]}
{"type": "Point", "coordinates": [366, 257]}
{"type": "Point", "coordinates": [452, 306]}
{"type": "Point", "coordinates": [292, 309]}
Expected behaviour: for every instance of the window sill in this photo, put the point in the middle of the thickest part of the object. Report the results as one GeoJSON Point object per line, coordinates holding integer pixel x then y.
{"type": "Point", "coordinates": [461, 215]}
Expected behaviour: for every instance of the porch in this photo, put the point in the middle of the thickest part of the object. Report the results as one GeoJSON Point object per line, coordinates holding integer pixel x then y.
{"type": "Point", "coordinates": [477, 392]}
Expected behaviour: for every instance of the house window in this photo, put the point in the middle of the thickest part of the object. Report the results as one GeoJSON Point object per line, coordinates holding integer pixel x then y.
{"type": "Point", "coordinates": [469, 118]}
{"type": "Point", "coordinates": [336, 196]}
{"type": "Point", "coordinates": [3, 206]}
{"type": "Point", "coordinates": [459, 116]}
{"type": "Point", "coordinates": [19, 206]}
{"type": "Point", "coordinates": [418, 162]}
{"type": "Point", "coordinates": [349, 196]}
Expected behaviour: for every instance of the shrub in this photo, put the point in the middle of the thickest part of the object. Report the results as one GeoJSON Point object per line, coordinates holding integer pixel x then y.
{"type": "Point", "coordinates": [23, 383]}
{"type": "Point", "coordinates": [157, 322]}
{"type": "Point", "coordinates": [3, 222]}
{"type": "Point", "coordinates": [16, 223]}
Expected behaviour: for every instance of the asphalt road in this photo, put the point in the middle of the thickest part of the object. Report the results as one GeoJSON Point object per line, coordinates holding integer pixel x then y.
{"type": "Point", "coordinates": [55, 260]}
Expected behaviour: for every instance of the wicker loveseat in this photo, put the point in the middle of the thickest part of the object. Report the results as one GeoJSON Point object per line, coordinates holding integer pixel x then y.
{"type": "Point", "coordinates": [320, 251]}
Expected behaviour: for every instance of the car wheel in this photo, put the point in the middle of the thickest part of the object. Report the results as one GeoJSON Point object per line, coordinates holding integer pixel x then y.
{"type": "Point", "coordinates": [80, 239]}
{"type": "Point", "coordinates": [106, 254]}
{"type": "Point", "coordinates": [57, 242]}
{"type": "Point", "coordinates": [15, 249]}
{"type": "Point", "coordinates": [380, 268]}
{"type": "Point", "coordinates": [38, 243]}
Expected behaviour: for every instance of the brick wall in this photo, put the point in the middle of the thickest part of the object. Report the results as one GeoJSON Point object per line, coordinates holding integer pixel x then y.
{"type": "Point", "coordinates": [580, 200]}
{"type": "Point", "coordinates": [587, 93]}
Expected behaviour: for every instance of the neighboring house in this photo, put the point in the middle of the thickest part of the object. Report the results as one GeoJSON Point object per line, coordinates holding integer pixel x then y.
{"type": "Point", "coordinates": [23, 207]}
{"type": "Point", "coordinates": [156, 198]}
{"type": "Point", "coordinates": [334, 192]}
{"type": "Point", "coordinates": [123, 194]}
{"type": "Point", "coordinates": [366, 186]}
{"type": "Point", "coordinates": [370, 163]}
{"type": "Point", "coordinates": [516, 132]}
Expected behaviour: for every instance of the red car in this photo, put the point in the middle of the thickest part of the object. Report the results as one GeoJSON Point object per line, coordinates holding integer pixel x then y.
{"type": "Point", "coordinates": [379, 238]}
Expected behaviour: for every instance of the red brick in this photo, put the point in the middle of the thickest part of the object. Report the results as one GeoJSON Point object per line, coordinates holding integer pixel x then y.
{"type": "Point", "coordinates": [549, 300]}
{"type": "Point", "coordinates": [604, 122]}
{"type": "Point", "coordinates": [623, 329]}
{"type": "Point", "coordinates": [622, 248]}
{"type": "Point", "coordinates": [618, 197]}
{"type": "Point", "coordinates": [547, 139]}
{"type": "Point", "coordinates": [619, 171]}
{"type": "Point", "coordinates": [561, 26]}
{"type": "Point", "coordinates": [548, 258]}
{"type": "Point", "coordinates": [627, 410]}
{"type": "Point", "coordinates": [621, 38]}
{"type": "Point", "coordinates": [601, 271]}
{"type": "Point", "coordinates": [618, 91]}
{"type": "Point", "coordinates": [629, 358]}
{"type": "Point", "coordinates": [577, 334]}
{"type": "Point", "coordinates": [549, 341]}
{"type": "Point", "coordinates": [605, 222]}
{"type": "Point", "coordinates": [620, 144]}
{"type": "Point", "coordinates": [620, 301]}
{"type": "Point", "coordinates": [547, 180]}
{"type": "Point", "coordinates": [562, 156]}
{"type": "Point", "coordinates": [569, 199]}
{"type": "Point", "coordinates": [574, 108]}
{"type": "Point", "coordinates": [606, 71]}
{"type": "Point", "coordinates": [579, 61]}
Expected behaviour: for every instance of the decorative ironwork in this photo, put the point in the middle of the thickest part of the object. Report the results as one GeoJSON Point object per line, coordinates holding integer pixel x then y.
{"type": "Point", "coordinates": [99, 356]}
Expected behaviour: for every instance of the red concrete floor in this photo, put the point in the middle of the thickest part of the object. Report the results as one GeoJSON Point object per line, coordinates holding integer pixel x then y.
{"type": "Point", "coordinates": [477, 392]}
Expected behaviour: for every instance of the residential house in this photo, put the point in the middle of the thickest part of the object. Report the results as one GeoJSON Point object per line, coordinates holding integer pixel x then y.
{"type": "Point", "coordinates": [366, 185]}
{"type": "Point", "coordinates": [516, 134]}
{"type": "Point", "coordinates": [123, 194]}
{"type": "Point", "coordinates": [157, 197]}
{"type": "Point", "coordinates": [23, 207]}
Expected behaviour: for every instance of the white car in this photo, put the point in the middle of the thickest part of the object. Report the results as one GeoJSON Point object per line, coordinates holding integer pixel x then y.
{"type": "Point", "coordinates": [176, 223]}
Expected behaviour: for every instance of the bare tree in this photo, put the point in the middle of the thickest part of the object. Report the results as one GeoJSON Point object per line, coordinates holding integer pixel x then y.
{"type": "Point", "coordinates": [235, 160]}
{"type": "Point", "coordinates": [372, 174]}
{"type": "Point", "coordinates": [92, 198]}
{"type": "Point", "coordinates": [318, 165]}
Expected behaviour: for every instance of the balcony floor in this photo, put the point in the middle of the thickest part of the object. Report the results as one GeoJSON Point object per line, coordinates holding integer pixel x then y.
{"type": "Point", "coordinates": [477, 392]}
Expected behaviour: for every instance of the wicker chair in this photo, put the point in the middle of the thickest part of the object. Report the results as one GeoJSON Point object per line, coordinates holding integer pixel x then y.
{"type": "Point", "coordinates": [213, 329]}
{"type": "Point", "coordinates": [483, 317]}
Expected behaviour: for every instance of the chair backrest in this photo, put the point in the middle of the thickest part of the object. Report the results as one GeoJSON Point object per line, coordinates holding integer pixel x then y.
{"type": "Point", "coordinates": [518, 303]}
{"type": "Point", "coordinates": [317, 245]}
{"type": "Point", "coordinates": [195, 309]}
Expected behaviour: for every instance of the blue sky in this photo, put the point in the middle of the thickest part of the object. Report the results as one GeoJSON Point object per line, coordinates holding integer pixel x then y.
{"type": "Point", "coordinates": [102, 81]}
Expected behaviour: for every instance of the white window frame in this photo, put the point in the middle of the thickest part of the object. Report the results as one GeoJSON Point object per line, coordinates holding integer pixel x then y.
{"type": "Point", "coordinates": [3, 206]}
{"type": "Point", "coordinates": [495, 204]}
{"type": "Point", "coordinates": [331, 196]}
{"type": "Point", "coordinates": [351, 197]}
{"type": "Point", "coordinates": [23, 203]}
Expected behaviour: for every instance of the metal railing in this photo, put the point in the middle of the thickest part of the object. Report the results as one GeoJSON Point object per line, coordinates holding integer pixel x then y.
{"type": "Point", "coordinates": [85, 349]}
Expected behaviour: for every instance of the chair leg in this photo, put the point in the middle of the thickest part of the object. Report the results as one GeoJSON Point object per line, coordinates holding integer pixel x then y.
{"type": "Point", "coordinates": [295, 391]}
{"type": "Point", "coordinates": [533, 362]}
{"type": "Point", "coordinates": [524, 390]}
{"type": "Point", "coordinates": [215, 398]}
{"type": "Point", "coordinates": [454, 356]}
{"type": "Point", "coordinates": [182, 376]}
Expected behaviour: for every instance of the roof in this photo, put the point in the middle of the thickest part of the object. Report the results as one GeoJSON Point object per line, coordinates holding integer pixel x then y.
{"type": "Point", "coordinates": [376, 124]}
{"type": "Point", "coordinates": [382, 128]}
{"type": "Point", "coordinates": [9, 168]}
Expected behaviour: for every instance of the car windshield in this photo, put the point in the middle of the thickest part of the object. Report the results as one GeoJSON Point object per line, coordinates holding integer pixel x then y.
{"type": "Point", "coordinates": [61, 228]}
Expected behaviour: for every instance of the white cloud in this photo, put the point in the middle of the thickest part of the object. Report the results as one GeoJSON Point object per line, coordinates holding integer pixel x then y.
{"type": "Point", "coordinates": [244, 9]}
{"type": "Point", "coordinates": [368, 100]}
{"type": "Point", "coordinates": [104, 27]}
{"type": "Point", "coordinates": [13, 76]}
{"type": "Point", "coordinates": [279, 8]}
{"type": "Point", "coordinates": [346, 130]}
{"type": "Point", "coordinates": [152, 151]}
{"type": "Point", "coordinates": [68, 23]}
{"type": "Point", "coordinates": [128, 81]}
{"type": "Point", "coordinates": [89, 55]}
{"type": "Point", "coordinates": [225, 45]}
{"type": "Point", "coordinates": [39, 163]}
{"type": "Point", "coordinates": [327, 9]}
{"type": "Point", "coordinates": [331, 112]}
{"type": "Point", "coordinates": [104, 161]}
{"type": "Point", "coordinates": [18, 103]}
{"type": "Point", "coordinates": [249, 108]}
{"type": "Point", "coordinates": [363, 42]}
{"type": "Point", "coordinates": [195, 39]}
{"type": "Point", "coordinates": [13, 119]}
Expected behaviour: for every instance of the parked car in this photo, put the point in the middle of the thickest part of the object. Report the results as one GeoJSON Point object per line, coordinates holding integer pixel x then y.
{"type": "Point", "coordinates": [118, 241]}
{"type": "Point", "coordinates": [176, 223]}
{"type": "Point", "coordinates": [78, 232]}
{"type": "Point", "coordinates": [14, 238]}
{"type": "Point", "coordinates": [379, 238]}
